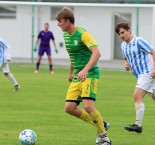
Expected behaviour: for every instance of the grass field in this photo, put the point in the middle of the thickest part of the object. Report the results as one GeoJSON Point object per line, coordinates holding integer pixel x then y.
{"type": "Point", "coordinates": [39, 106]}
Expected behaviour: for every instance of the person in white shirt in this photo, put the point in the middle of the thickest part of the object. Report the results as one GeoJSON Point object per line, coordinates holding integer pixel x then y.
{"type": "Point", "coordinates": [139, 57]}
{"type": "Point", "coordinates": [5, 58]}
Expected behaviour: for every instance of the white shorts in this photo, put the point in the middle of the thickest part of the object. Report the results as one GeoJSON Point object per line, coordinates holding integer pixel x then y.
{"type": "Point", "coordinates": [146, 82]}
{"type": "Point", "coordinates": [5, 68]}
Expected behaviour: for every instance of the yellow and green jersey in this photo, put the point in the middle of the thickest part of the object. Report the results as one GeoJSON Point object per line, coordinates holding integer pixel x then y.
{"type": "Point", "coordinates": [78, 46]}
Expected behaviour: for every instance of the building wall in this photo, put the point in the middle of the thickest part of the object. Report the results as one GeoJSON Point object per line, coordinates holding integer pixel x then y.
{"type": "Point", "coordinates": [98, 21]}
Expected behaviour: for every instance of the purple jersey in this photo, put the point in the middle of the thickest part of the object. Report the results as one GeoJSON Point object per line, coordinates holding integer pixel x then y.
{"type": "Point", "coordinates": [45, 38]}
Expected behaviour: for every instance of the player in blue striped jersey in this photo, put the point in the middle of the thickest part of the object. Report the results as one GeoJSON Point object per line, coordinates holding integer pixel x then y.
{"type": "Point", "coordinates": [138, 56]}
{"type": "Point", "coordinates": [5, 58]}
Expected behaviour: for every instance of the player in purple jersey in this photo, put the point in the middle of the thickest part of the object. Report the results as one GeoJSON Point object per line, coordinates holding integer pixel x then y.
{"type": "Point", "coordinates": [138, 56]}
{"type": "Point", "coordinates": [45, 36]}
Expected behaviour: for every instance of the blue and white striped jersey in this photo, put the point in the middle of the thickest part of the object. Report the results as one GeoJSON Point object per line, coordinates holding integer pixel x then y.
{"type": "Point", "coordinates": [5, 51]}
{"type": "Point", "coordinates": [137, 54]}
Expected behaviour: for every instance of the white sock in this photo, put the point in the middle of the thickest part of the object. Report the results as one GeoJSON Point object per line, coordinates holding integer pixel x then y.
{"type": "Point", "coordinates": [104, 137]}
{"type": "Point", "coordinates": [140, 107]}
{"type": "Point", "coordinates": [12, 79]}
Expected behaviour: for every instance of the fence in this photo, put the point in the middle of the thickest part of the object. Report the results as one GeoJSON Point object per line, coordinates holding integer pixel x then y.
{"type": "Point", "coordinates": [20, 23]}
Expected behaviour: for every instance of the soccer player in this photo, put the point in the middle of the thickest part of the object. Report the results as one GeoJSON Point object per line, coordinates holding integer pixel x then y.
{"type": "Point", "coordinates": [5, 58]}
{"type": "Point", "coordinates": [84, 73]}
{"type": "Point", "coordinates": [45, 36]}
{"type": "Point", "coordinates": [138, 56]}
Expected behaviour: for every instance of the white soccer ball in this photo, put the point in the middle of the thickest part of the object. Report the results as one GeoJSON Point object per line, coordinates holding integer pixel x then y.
{"type": "Point", "coordinates": [27, 137]}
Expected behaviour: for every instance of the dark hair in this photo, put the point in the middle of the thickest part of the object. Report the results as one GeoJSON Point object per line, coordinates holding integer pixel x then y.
{"type": "Point", "coordinates": [66, 13]}
{"type": "Point", "coordinates": [122, 25]}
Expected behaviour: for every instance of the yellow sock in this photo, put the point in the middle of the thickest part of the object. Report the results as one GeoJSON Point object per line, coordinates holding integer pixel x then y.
{"type": "Point", "coordinates": [86, 117]}
{"type": "Point", "coordinates": [98, 121]}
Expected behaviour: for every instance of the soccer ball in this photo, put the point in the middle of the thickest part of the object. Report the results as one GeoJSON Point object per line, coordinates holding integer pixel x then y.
{"type": "Point", "coordinates": [27, 137]}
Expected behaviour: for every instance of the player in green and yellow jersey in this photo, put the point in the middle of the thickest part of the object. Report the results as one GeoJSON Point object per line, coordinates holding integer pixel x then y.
{"type": "Point", "coordinates": [78, 46]}
{"type": "Point", "coordinates": [84, 73]}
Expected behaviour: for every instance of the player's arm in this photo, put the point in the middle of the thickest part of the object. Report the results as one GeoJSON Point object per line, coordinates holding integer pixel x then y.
{"type": "Point", "coordinates": [35, 45]}
{"type": "Point", "coordinates": [37, 41]}
{"type": "Point", "coordinates": [7, 50]}
{"type": "Point", "coordinates": [146, 48]}
{"type": "Point", "coordinates": [126, 64]}
{"type": "Point", "coordinates": [153, 55]}
{"type": "Point", "coordinates": [92, 46]}
{"type": "Point", "coordinates": [71, 70]}
{"type": "Point", "coordinates": [8, 53]}
{"type": "Point", "coordinates": [53, 40]}
{"type": "Point", "coordinates": [94, 58]}
{"type": "Point", "coordinates": [55, 47]}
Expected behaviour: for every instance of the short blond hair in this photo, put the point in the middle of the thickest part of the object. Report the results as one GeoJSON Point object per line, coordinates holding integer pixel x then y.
{"type": "Point", "coordinates": [66, 13]}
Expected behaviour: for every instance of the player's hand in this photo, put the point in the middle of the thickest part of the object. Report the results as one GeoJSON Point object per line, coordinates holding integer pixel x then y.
{"type": "Point", "coordinates": [82, 75]}
{"type": "Point", "coordinates": [70, 77]}
{"type": "Point", "coordinates": [56, 50]}
{"type": "Point", "coordinates": [127, 67]}
{"type": "Point", "coordinates": [35, 48]}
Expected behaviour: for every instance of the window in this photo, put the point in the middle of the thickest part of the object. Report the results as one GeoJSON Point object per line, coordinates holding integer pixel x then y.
{"type": "Point", "coordinates": [7, 12]}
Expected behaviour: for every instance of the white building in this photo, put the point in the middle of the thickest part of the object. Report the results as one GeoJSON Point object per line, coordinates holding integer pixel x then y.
{"type": "Point", "coordinates": [16, 26]}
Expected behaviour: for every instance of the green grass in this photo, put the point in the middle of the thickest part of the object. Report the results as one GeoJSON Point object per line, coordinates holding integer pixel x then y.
{"type": "Point", "coordinates": [39, 106]}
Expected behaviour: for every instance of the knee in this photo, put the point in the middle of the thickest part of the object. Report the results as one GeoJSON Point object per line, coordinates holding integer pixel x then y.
{"type": "Point", "coordinates": [89, 109]}
{"type": "Point", "coordinates": [137, 98]}
{"type": "Point", "coordinates": [153, 96]}
{"type": "Point", "coordinates": [69, 110]}
{"type": "Point", "coordinates": [39, 59]}
{"type": "Point", "coordinates": [49, 58]}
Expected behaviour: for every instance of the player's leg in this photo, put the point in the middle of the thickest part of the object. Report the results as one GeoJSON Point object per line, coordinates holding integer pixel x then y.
{"type": "Point", "coordinates": [38, 63]}
{"type": "Point", "coordinates": [48, 52]}
{"type": "Point", "coordinates": [50, 64]}
{"type": "Point", "coordinates": [89, 90]}
{"type": "Point", "coordinates": [40, 54]}
{"type": "Point", "coordinates": [71, 107]}
{"type": "Point", "coordinates": [72, 101]}
{"type": "Point", "coordinates": [94, 114]}
{"type": "Point", "coordinates": [139, 105]}
{"type": "Point", "coordinates": [144, 85]}
{"type": "Point", "coordinates": [7, 73]}
{"type": "Point", "coordinates": [140, 108]}
{"type": "Point", "coordinates": [153, 93]}
{"type": "Point", "coordinates": [97, 120]}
